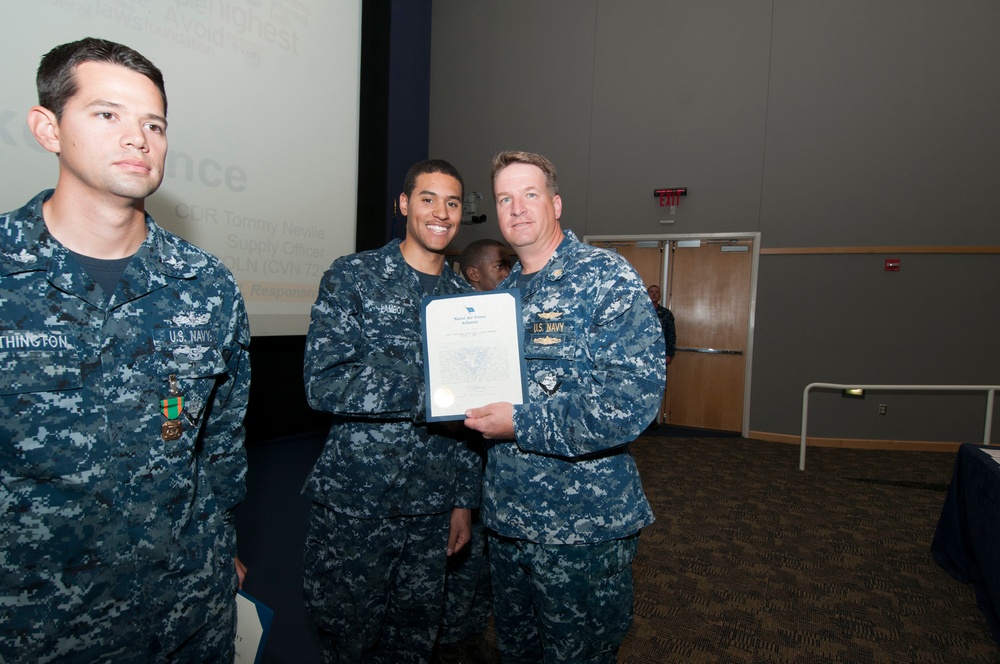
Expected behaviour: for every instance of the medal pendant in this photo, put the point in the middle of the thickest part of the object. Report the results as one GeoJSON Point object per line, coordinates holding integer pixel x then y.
{"type": "Point", "coordinates": [171, 430]}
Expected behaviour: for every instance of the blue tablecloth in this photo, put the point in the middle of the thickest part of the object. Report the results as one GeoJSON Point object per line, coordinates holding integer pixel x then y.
{"type": "Point", "coordinates": [967, 540]}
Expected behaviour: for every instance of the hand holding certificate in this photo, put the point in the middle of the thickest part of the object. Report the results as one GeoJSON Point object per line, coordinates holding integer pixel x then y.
{"type": "Point", "coordinates": [473, 352]}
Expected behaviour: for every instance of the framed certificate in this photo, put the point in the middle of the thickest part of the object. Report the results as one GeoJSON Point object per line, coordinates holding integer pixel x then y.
{"type": "Point", "coordinates": [473, 352]}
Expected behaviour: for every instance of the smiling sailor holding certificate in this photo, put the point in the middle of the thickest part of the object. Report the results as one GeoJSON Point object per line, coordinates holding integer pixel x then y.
{"type": "Point", "coordinates": [392, 493]}
{"type": "Point", "coordinates": [562, 495]}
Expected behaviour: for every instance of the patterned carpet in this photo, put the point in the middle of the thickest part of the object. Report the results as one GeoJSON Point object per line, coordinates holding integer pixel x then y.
{"type": "Point", "coordinates": [751, 560]}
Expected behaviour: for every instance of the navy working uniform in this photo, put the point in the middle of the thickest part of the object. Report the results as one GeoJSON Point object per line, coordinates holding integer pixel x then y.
{"type": "Point", "coordinates": [595, 360]}
{"type": "Point", "coordinates": [666, 318]}
{"type": "Point", "coordinates": [121, 450]}
{"type": "Point", "coordinates": [385, 484]}
{"type": "Point", "coordinates": [468, 597]}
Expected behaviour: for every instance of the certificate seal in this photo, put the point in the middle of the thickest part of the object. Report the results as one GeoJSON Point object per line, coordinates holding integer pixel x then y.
{"type": "Point", "coordinates": [443, 397]}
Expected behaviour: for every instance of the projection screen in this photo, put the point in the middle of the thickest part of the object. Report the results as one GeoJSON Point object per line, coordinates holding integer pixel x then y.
{"type": "Point", "coordinates": [263, 129]}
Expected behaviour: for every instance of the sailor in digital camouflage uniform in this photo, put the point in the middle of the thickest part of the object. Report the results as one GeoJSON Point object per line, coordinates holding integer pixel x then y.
{"type": "Point", "coordinates": [562, 495]}
{"type": "Point", "coordinates": [468, 599]}
{"type": "Point", "coordinates": [123, 388]}
{"type": "Point", "coordinates": [391, 494]}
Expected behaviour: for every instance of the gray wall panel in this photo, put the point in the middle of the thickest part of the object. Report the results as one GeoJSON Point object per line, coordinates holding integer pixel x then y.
{"type": "Point", "coordinates": [819, 124]}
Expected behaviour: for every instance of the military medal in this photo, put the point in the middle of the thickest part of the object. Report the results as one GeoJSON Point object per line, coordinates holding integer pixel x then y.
{"type": "Point", "coordinates": [171, 430]}
{"type": "Point", "coordinates": [172, 409]}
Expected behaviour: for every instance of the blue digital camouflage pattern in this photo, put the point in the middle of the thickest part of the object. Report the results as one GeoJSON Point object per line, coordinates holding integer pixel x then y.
{"type": "Point", "coordinates": [117, 543]}
{"type": "Point", "coordinates": [382, 462]}
{"type": "Point", "coordinates": [596, 369]}
{"type": "Point", "coordinates": [374, 586]}
{"type": "Point", "coordinates": [468, 596]}
{"type": "Point", "coordinates": [666, 318]}
{"type": "Point", "coordinates": [579, 595]}
{"type": "Point", "coordinates": [364, 363]}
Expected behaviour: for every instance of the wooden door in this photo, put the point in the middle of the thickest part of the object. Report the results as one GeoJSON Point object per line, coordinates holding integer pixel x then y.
{"type": "Point", "coordinates": [709, 295]}
{"type": "Point", "coordinates": [646, 257]}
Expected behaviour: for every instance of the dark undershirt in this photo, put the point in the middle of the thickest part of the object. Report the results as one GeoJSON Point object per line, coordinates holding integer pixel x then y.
{"type": "Point", "coordinates": [107, 272]}
{"type": "Point", "coordinates": [524, 278]}
{"type": "Point", "coordinates": [427, 281]}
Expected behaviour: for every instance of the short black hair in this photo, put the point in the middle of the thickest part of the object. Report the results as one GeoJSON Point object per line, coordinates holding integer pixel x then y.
{"type": "Point", "coordinates": [430, 166]}
{"type": "Point", "coordinates": [56, 80]}
{"type": "Point", "coordinates": [475, 253]}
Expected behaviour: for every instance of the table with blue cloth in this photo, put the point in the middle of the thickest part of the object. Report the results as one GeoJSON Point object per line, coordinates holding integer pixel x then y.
{"type": "Point", "coordinates": [967, 541]}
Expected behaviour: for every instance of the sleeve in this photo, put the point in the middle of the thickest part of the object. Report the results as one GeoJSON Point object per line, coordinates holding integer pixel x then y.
{"type": "Point", "coordinates": [612, 391]}
{"type": "Point", "coordinates": [341, 376]}
{"type": "Point", "coordinates": [224, 435]}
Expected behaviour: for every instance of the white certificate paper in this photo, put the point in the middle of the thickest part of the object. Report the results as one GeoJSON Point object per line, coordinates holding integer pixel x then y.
{"type": "Point", "coordinates": [473, 352]}
{"type": "Point", "coordinates": [253, 622]}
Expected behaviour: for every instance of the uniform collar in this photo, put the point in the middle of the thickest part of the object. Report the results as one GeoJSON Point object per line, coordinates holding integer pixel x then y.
{"type": "Point", "coordinates": [394, 263]}
{"type": "Point", "coordinates": [555, 268]}
{"type": "Point", "coordinates": [30, 247]}
{"type": "Point", "coordinates": [394, 266]}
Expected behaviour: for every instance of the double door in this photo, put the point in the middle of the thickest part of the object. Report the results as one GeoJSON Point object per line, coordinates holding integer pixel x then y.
{"type": "Point", "coordinates": [708, 285]}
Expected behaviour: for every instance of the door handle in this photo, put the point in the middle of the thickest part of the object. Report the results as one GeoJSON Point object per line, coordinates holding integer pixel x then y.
{"type": "Point", "coordinates": [711, 351]}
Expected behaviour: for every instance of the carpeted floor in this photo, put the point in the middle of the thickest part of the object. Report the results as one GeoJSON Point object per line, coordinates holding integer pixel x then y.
{"type": "Point", "coordinates": [750, 560]}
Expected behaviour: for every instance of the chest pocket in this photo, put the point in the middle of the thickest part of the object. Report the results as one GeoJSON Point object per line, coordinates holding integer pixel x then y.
{"type": "Point", "coordinates": [191, 355]}
{"type": "Point", "coordinates": [33, 371]}
{"type": "Point", "coordinates": [195, 361]}
{"type": "Point", "coordinates": [41, 400]}
{"type": "Point", "coordinates": [391, 328]}
{"type": "Point", "coordinates": [550, 339]}
{"type": "Point", "coordinates": [197, 369]}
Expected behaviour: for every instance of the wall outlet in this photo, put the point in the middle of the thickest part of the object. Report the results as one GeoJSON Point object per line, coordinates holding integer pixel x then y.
{"type": "Point", "coordinates": [883, 409]}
